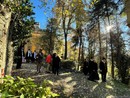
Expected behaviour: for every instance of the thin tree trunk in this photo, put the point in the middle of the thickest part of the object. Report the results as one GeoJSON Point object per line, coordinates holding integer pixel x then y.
{"type": "Point", "coordinates": [65, 46]}
{"type": "Point", "coordinates": [9, 50]}
{"type": "Point", "coordinates": [10, 59]}
{"type": "Point", "coordinates": [112, 66]}
{"type": "Point", "coordinates": [99, 35]}
{"type": "Point", "coordinates": [51, 45]}
{"type": "Point", "coordinates": [118, 47]}
{"type": "Point", "coordinates": [79, 56]}
{"type": "Point", "coordinates": [82, 52]}
{"type": "Point", "coordinates": [112, 60]}
{"type": "Point", "coordinates": [106, 38]}
{"type": "Point", "coordinates": [65, 33]}
{"type": "Point", "coordinates": [79, 53]}
{"type": "Point", "coordinates": [82, 48]}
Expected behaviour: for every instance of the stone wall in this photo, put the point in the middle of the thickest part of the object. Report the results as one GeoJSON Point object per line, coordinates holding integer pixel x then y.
{"type": "Point", "coordinates": [4, 24]}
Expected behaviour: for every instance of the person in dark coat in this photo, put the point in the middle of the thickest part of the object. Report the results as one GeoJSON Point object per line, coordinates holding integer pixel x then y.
{"type": "Point", "coordinates": [93, 70]}
{"type": "Point", "coordinates": [96, 71]}
{"type": "Point", "coordinates": [39, 60]}
{"type": "Point", "coordinates": [55, 64]}
{"type": "Point", "coordinates": [85, 67]}
{"type": "Point", "coordinates": [103, 69]}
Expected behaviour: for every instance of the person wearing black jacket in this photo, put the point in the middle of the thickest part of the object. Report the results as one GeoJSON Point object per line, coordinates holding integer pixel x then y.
{"type": "Point", "coordinates": [55, 64]}
{"type": "Point", "coordinates": [103, 69]}
{"type": "Point", "coordinates": [93, 70]}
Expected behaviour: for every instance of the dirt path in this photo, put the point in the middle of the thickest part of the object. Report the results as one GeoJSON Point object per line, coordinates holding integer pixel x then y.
{"type": "Point", "coordinates": [74, 84]}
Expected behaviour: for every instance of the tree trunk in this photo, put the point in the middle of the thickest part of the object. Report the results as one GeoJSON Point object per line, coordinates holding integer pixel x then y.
{"type": "Point", "coordinates": [112, 60]}
{"type": "Point", "coordinates": [50, 49]}
{"type": "Point", "coordinates": [112, 66]}
{"type": "Point", "coordinates": [9, 50]}
{"type": "Point", "coordinates": [79, 56]}
{"type": "Point", "coordinates": [65, 56]}
{"type": "Point", "coordinates": [111, 46]}
{"type": "Point", "coordinates": [106, 38]}
{"type": "Point", "coordinates": [99, 36]}
{"type": "Point", "coordinates": [19, 57]}
{"type": "Point", "coordinates": [118, 46]}
{"type": "Point", "coordinates": [10, 55]}
{"type": "Point", "coordinates": [82, 52]}
{"type": "Point", "coordinates": [4, 24]}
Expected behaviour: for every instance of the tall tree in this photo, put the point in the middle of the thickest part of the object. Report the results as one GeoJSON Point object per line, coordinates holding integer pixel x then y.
{"type": "Point", "coordinates": [120, 52]}
{"type": "Point", "coordinates": [50, 36]}
{"type": "Point", "coordinates": [5, 17]}
{"type": "Point", "coordinates": [20, 27]}
{"type": "Point", "coordinates": [121, 57]}
{"type": "Point", "coordinates": [65, 12]}
{"type": "Point", "coordinates": [101, 9]}
{"type": "Point", "coordinates": [80, 19]}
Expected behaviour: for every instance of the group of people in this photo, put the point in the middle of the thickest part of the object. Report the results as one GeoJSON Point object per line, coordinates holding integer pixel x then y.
{"type": "Point", "coordinates": [30, 56]}
{"type": "Point", "coordinates": [90, 68]}
{"type": "Point", "coordinates": [51, 62]}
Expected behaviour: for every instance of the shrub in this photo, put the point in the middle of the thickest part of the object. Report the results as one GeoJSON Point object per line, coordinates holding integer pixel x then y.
{"type": "Point", "coordinates": [25, 88]}
{"type": "Point", "coordinates": [67, 64]}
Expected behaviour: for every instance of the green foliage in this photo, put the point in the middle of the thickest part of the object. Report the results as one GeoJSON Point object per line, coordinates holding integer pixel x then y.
{"type": "Point", "coordinates": [22, 20]}
{"type": "Point", "coordinates": [25, 88]}
{"type": "Point", "coordinates": [67, 64]}
{"type": "Point", "coordinates": [50, 39]}
{"type": "Point", "coordinates": [121, 57]}
{"type": "Point", "coordinates": [100, 9]}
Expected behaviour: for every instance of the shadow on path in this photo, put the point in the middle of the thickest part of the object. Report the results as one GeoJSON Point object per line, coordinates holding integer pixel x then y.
{"type": "Point", "coordinates": [74, 84]}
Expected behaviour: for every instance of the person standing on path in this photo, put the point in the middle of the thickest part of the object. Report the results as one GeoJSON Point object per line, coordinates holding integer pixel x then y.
{"type": "Point", "coordinates": [39, 60]}
{"type": "Point", "coordinates": [93, 70]}
{"type": "Point", "coordinates": [103, 69]}
{"type": "Point", "coordinates": [55, 64]}
{"type": "Point", "coordinates": [48, 61]}
{"type": "Point", "coordinates": [28, 56]}
{"type": "Point", "coordinates": [34, 55]}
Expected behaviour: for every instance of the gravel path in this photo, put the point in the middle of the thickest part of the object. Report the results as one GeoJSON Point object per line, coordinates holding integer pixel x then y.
{"type": "Point", "coordinates": [74, 84]}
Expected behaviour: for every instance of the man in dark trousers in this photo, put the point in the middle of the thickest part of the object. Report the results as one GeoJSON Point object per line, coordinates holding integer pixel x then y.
{"type": "Point", "coordinates": [55, 64]}
{"type": "Point", "coordinates": [103, 69]}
